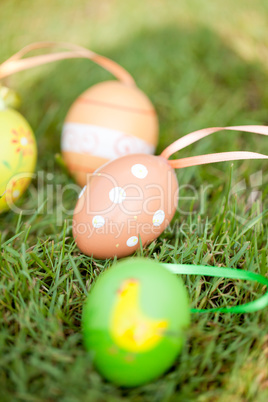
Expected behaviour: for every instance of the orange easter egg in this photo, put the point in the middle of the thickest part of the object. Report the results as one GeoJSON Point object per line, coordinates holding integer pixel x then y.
{"type": "Point", "coordinates": [107, 121]}
{"type": "Point", "coordinates": [127, 201]}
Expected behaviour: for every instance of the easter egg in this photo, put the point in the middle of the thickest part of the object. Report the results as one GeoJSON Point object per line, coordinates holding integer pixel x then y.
{"type": "Point", "coordinates": [107, 121]}
{"type": "Point", "coordinates": [17, 157]}
{"type": "Point", "coordinates": [134, 321]}
{"type": "Point", "coordinates": [128, 201]}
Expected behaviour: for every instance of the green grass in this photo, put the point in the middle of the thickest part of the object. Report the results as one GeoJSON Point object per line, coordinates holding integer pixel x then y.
{"type": "Point", "coordinates": [202, 64]}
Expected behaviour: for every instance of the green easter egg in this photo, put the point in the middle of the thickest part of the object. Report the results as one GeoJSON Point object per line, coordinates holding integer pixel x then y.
{"type": "Point", "coordinates": [134, 321]}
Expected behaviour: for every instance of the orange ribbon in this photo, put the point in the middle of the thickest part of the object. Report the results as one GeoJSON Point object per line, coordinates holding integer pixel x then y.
{"type": "Point", "coordinates": [211, 158]}
{"type": "Point", "coordinates": [16, 63]}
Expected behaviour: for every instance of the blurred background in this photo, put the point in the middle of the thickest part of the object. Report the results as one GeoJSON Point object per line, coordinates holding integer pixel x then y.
{"type": "Point", "coordinates": [201, 63]}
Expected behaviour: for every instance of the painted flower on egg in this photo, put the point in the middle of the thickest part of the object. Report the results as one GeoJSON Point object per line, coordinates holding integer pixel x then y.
{"type": "Point", "coordinates": [23, 141]}
{"type": "Point", "coordinates": [127, 202]}
{"type": "Point", "coordinates": [15, 188]}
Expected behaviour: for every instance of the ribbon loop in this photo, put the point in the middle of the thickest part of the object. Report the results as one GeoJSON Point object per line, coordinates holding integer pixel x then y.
{"type": "Point", "coordinates": [16, 62]}
{"type": "Point", "coordinates": [211, 158]}
{"type": "Point", "coordinates": [226, 273]}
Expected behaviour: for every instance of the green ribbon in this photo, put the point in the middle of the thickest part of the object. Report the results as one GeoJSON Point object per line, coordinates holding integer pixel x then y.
{"type": "Point", "coordinates": [229, 273]}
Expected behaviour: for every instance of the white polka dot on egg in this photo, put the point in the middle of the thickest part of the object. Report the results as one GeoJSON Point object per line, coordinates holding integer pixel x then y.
{"type": "Point", "coordinates": [158, 217]}
{"type": "Point", "coordinates": [132, 241]}
{"type": "Point", "coordinates": [117, 195]}
{"type": "Point", "coordinates": [98, 221]}
{"type": "Point", "coordinates": [140, 171]}
{"type": "Point", "coordinates": [82, 192]}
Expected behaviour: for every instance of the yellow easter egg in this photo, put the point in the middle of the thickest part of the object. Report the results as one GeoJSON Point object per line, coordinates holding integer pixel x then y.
{"type": "Point", "coordinates": [107, 121]}
{"type": "Point", "coordinates": [18, 153]}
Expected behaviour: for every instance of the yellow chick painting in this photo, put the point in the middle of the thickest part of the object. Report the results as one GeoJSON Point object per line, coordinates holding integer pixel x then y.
{"type": "Point", "coordinates": [130, 328]}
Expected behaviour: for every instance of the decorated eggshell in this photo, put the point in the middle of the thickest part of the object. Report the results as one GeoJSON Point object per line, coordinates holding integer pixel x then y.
{"type": "Point", "coordinates": [134, 321]}
{"type": "Point", "coordinates": [131, 198]}
{"type": "Point", "coordinates": [17, 157]}
{"type": "Point", "coordinates": [107, 121]}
